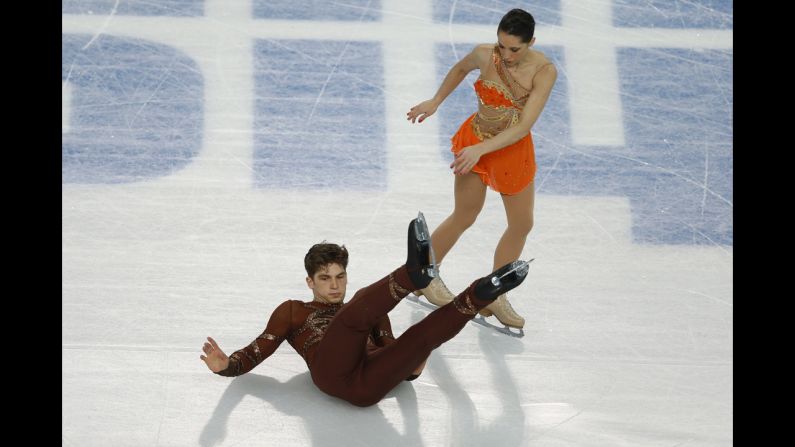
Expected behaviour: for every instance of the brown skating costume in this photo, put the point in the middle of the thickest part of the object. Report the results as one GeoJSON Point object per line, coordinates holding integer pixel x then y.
{"type": "Point", "coordinates": [349, 348]}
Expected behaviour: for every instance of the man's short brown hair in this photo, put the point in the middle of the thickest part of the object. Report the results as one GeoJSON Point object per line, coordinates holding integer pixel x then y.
{"type": "Point", "coordinates": [323, 254]}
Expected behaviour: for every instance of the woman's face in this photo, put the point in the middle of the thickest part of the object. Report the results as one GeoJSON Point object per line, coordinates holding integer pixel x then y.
{"type": "Point", "coordinates": [512, 49]}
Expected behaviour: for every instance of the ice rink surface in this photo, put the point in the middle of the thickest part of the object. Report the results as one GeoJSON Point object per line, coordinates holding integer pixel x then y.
{"type": "Point", "coordinates": [208, 144]}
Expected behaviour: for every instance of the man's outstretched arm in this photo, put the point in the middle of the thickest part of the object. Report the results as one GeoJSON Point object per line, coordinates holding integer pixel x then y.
{"type": "Point", "coordinates": [245, 359]}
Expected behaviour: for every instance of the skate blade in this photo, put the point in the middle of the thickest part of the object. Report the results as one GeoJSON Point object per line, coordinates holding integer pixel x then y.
{"type": "Point", "coordinates": [503, 330]}
{"type": "Point", "coordinates": [477, 320]}
{"type": "Point", "coordinates": [416, 300]}
{"type": "Point", "coordinates": [520, 267]}
{"type": "Point", "coordinates": [421, 228]}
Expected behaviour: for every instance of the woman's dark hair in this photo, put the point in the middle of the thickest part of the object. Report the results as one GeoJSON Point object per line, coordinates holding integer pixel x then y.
{"type": "Point", "coordinates": [519, 23]}
{"type": "Point", "coordinates": [323, 254]}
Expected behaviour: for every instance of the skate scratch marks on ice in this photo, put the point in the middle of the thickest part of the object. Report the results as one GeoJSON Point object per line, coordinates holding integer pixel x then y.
{"type": "Point", "coordinates": [104, 25]}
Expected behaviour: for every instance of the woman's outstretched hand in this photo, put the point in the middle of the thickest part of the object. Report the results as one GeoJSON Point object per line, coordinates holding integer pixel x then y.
{"type": "Point", "coordinates": [422, 110]}
{"type": "Point", "coordinates": [215, 358]}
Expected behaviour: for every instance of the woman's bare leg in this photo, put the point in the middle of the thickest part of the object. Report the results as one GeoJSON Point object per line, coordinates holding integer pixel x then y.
{"type": "Point", "coordinates": [519, 212]}
{"type": "Point", "coordinates": [470, 195]}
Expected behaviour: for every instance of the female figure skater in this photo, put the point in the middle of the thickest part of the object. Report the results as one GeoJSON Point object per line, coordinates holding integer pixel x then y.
{"type": "Point", "coordinates": [494, 146]}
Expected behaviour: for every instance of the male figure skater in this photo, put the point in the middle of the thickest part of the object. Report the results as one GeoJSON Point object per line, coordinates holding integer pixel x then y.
{"type": "Point", "coordinates": [349, 347]}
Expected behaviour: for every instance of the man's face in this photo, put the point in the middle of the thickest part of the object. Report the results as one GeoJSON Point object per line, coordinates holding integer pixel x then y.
{"type": "Point", "coordinates": [328, 284]}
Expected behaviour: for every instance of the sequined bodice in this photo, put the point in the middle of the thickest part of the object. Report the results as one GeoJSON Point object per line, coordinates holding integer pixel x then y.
{"type": "Point", "coordinates": [499, 103]}
{"type": "Point", "coordinates": [313, 329]}
{"type": "Point", "coordinates": [303, 324]}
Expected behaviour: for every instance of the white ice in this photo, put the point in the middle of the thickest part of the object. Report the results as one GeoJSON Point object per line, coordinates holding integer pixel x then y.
{"type": "Point", "coordinates": [626, 343]}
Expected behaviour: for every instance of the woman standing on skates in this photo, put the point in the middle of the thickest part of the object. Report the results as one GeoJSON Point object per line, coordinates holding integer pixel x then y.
{"type": "Point", "coordinates": [494, 147]}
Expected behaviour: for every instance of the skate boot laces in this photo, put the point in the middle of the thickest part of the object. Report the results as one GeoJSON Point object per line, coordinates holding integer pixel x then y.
{"type": "Point", "coordinates": [505, 306]}
{"type": "Point", "coordinates": [437, 292]}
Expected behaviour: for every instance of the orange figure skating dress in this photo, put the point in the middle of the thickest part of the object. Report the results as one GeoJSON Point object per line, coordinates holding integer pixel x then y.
{"type": "Point", "coordinates": [510, 169]}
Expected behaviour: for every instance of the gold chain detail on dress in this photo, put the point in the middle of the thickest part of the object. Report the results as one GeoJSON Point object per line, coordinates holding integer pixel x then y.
{"type": "Point", "coordinates": [465, 305]}
{"type": "Point", "coordinates": [490, 120]}
{"type": "Point", "coordinates": [517, 104]}
{"type": "Point", "coordinates": [395, 289]}
{"type": "Point", "coordinates": [508, 79]}
{"type": "Point", "coordinates": [496, 124]}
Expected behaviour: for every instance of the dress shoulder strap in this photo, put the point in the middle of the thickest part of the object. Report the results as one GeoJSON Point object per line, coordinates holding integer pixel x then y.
{"type": "Point", "coordinates": [513, 86]}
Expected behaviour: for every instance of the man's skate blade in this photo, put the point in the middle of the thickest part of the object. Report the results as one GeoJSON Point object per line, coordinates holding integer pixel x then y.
{"type": "Point", "coordinates": [421, 228]}
{"type": "Point", "coordinates": [519, 267]}
{"type": "Point", "coordinates": [423, 235]}
{"type": "Point", "coordinates": [503, 330]}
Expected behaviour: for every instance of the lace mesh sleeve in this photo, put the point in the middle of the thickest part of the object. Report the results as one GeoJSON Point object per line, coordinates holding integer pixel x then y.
{"type": "Point", "coordinates": [245, 359]}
